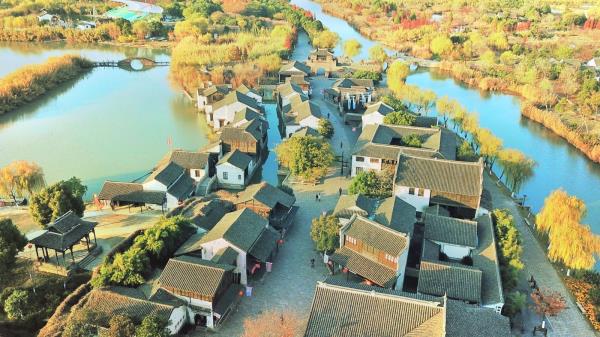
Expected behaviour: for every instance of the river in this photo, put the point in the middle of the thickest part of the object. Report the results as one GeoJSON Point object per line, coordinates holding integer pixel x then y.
{"type": "Point", "coordinates": [559, 165]}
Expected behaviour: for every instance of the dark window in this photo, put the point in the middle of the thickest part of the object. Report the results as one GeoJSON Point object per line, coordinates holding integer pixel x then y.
{"type": "Point", "coordinates": [225, 175]}
{"type": "Point", "coordinates": [374, 160]}
{"type": "Point", "coordinates": [361, 159]}
{"type": "Point", "coordinates": [411, 190]}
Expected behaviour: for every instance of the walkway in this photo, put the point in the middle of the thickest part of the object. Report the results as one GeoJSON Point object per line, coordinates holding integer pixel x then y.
{"type": "Point", "coordinates": [291, 284]}
{"type": "Point", "coordinates": [569, 323]}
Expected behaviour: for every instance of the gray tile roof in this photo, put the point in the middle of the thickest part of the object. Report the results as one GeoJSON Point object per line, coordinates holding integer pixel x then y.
{"type": "Point", "coordinates": [301, 111]}
{"type": "Point", "coordinates": [338, 311]}
{"type": "Point", "coordinates": [191, 245]}
{"type": "Point", "coordinates": [251, 131]}
{"type": "Point", "coordinates": [289, 88]}
{"type": "Point", "coordinates": [264, 245]}
{"type": "Point", "coordinates": [66, 222]}
{"type": "Point", "coordinates": [64, 233]}
{"type": "Point", "coordinates": [452, 279]}
{"type": "Point", "coordinates": [241, 228]}
{"type": "Point", "coordinates": [213, 89]}
{"type": "Point", "coordinates": [397, 214]}
{"type": "Point", "coordinates": [485, 258]}
{"type": "Point", "coordinates": [236, 96]}
{"type": "Point", "coordinates": [226, 255]}
{"type": "Point", "coordinates": [245, 114]}
{"type": "Point", "coordinates": [462, 178]}
{"type": "Point", "coordinates": [237, 159]}
{"type": "Point", "coordinates": [167, 174]}
{"type": "Point", "coordinates": [382, 275]}
{"type": "Point", "coordinates": [451, 230]}
{"type": "Point", "coordinates": [379, 107]}
{"type": "Point", "coordinates": [192, 274]}
{"type": "Point", "coordinates": [353, 82]}
{"type": "Point", "coordinates": [182, 188]}
{"type": "Point", "coordinates": [306, 131]}
{"type": "Point", "coordinates": [349, 205]}
{"type": "Point", "coordinates": [130, 192]}
{"type": "Point", "coordinates": [124, 301]}
{"type": "Point", "coordinates": [266, 194]}
{"type": "Point", "coordinates": [376, 235]}
{"type": "Point", "coordinates": [189, 159]}
{"type": "Point", "coordinates": [294, 67]}
{"type": "Point", "coordinates": [245, 90]}
{"type": "Point", "coordinates": [464, 320]}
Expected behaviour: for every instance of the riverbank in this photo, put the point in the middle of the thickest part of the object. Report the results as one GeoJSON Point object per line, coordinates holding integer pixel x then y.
{"type": "Point", "coordinates": [31, 82]}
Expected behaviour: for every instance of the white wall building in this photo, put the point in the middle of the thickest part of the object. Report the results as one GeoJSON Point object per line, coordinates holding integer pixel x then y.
{"type": "Point", "coordinates": [235, 169]}
{"type": "Point", "coordinates": [224, 110]}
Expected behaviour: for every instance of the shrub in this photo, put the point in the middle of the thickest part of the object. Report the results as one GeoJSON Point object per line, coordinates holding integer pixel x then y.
{"type": "Point", "coordinates": [325, 128]}
{"type": "Point", "coordinates": [372, 184]}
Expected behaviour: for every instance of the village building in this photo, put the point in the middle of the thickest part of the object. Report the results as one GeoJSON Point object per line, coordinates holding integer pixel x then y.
{"type": "Point", "coordinates": [268, 201]}
{"type": "Point", "coordinates": [208, 288]}
{"type": "Point", "coordinates": [372, 251]}
{"type": "Point", "coordinates": [446, 270]}
{"type": "Point", "coordinates": [60, 236]}
{"type": "Point", "coordinates": [391, 212]}
{"type": "Point", "coordinates": [322, 61]}
{"type": "Point", "coordinates": [206, 97]}
{"type": "Point", "coordinates": [291, 69]}
{"type": "Point", "coordinates": [51, 19]}
{"type": "Point", "coordinates": [248, 234]}
{"type": "Point", "coordinates": [250, 93]}
{"type": "Point", "coordinates": [299, 115]}
{"type": "Point", "coordinates": [84, 25]}
{"type": "Point", "coordinates": [424, 182]}
{"type": "Point", "coordinates": [249, 137]}
{"type": "Point", "coordinates": [204, 212]}
{"type": "Point", "coordinates": [172, 179]}
{"type": "Point", "coordinates": [344, 309]}
{"type": "Point", "coordinates": [306, 131]}
{"type": "Point", "coordinates": [199, 165]}
{"type": "Point", "coordinates": [223, 111]}
{"type": "Point", "coordinates": [118, 194]}
{"type": "Point", "coordinates": [379, 146]}
{"type": "Point", "coordinates": [108, 302]}
{"type": "Point", "coordinates": [236, 169]}
{"type": "Point", "coordinates": [594, 63]}
{"type": "Point", "coordinates": [302, 82]}
{"type": "Point", "coordinates": [375, 113]}
{"type": "Point", "coordinates": [288, 94]}
{"type": "Point", "coordinates": [352, 95]}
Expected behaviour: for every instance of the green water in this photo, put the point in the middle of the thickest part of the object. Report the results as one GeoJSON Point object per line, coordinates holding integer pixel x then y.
{"type": "Point", "coordinates": [109, 124]}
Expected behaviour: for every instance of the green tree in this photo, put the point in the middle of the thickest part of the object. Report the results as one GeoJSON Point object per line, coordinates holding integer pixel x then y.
{"type": "Point", "coordinates": [325, 39]}
{"type": "Point", "coordinates": [377, 54]}
{"type": "Point", "coordinates": [515, 302]}
{"type": "Point", "coordinates": [56, 200]}
{"type": "Point", "coordinates": [20, 177]}
{"type": "Point", "coordinates": [152, 326]}
{"type": "Point", "coordinates": [510, 248]}
{"type": "Point", "coordinates": [372, 184]}
{"type": "Point", "coordinates": [202, 8]}
{"type": "Point", "coordinates": [307, 157]}
{"type": "Point", "coordinates": [18, 305]}
{"type": "Point", "coordinates": [325, 128]}
{"type": "Point", "coordinates": [80, 324]}
{"type": "Point", "coordinates": [121, 326]}
{"type": "Point", "coordinates": [325, 231]}
{"type": "Point", "coordinates": [399, 118]}
{"type": "Point", "coordinates": [571, 242]}
{"type": "Point", "coordinates": [465, 152]}
{"type": "Point", "coordinates": [141, 29]}
{"type": "Point", "coordinates": [517, 167]}
{"type": "Point", "coordinates": [411, 141]}
{"type": "Point", "coordinates": [352, 48]}
{"type": "Point", "coordinates": [441, 45]}
{"type": "Point", "coordinates": [396, 75]}
{"type": "Point", "coordinates": [11, 242]}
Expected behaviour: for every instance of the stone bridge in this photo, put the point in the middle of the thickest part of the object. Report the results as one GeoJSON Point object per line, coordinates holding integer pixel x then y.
{"type": "Point", "coordinates": [133, 63]}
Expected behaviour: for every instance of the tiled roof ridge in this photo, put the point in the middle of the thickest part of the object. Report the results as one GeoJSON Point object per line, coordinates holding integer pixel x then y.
{"type": "Point", "coordinates": [109, 289]}
{"type": "Point", "coordinates": [435, 129]}
{"type": "Point", "coordinates": [213, 266]}
{"type": "Point", "coordinates": [379, 294]}
{"type": "Point", "coordinates": [454, 265]}
{"type": "Point", "coordinates": [465, 163]}
{"type": "Point", "coordinates": [399, 147]}
{"type": "Point", "coordinates": [391, 230]}
{"type": "Point", "coordinates": [470, 222]}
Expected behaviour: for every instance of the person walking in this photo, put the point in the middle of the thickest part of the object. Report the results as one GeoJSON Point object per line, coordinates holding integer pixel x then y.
{"type": "Point", "coordinates": [312, 262]}
{"type": "Point", "coordinates": [317, 197]}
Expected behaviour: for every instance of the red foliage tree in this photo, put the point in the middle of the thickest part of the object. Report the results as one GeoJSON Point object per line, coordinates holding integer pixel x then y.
{"type": "Point", "coordinates": [548, 302]}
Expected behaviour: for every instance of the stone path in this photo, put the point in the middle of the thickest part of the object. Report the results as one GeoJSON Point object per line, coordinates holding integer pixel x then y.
{"type": "Point", "coordinates": [570, 322]}
{"type": "Point", "coordinates": [291, 284]}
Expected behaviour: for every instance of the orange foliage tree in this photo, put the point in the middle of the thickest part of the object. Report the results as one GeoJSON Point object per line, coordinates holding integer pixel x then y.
{"type": "Point", "coordinates": [548, 302]}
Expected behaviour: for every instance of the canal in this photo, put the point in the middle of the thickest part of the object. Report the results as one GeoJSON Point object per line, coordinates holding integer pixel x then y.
{"type": "Point", "coordinates": [559, 165]}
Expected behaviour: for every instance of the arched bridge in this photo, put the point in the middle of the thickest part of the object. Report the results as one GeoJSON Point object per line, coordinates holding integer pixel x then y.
{"type": "Point", "coordinates": [132, 63]}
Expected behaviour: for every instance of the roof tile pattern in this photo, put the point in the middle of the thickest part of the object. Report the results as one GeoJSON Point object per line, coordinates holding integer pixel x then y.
{"type": "Point", "coordinates": [382, 275]}
{"type": "Point", "coordinates": [455, 280]}
{"type": "Point", "coordinates": [241, 228]}
{"type": "Point", "coordinates": [377, 235]}
{"type": "Point", "coordinates": [451, 230]}
{"type": "Point", "coordinates": [192, 274]}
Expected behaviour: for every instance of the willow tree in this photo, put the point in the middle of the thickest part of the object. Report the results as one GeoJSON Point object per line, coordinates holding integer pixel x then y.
{"type": "Point", "coordinates": [20, 177]}
{"type": "Point", "coordinates": [445, 107]}
{"type": "Point", "coordinates": [517, 167]}
{"type": "Point", "coordinates": [352, 48]}
{"type": "Point", "coordinates": [396, 75]}
{"type": "Point", "coordinates": [489, 145]}
{"type": "Point", "coordinates": [418, 100]}
{"type": "Point", "coordinates": [571, 242]}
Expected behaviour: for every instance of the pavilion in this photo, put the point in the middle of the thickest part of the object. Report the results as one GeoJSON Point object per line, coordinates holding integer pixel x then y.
{"type": "Point", "coordinates": [62, 234]}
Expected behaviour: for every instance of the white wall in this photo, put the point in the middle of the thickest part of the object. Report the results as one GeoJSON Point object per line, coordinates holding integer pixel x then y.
{"type": "Point", "coordinates": [172, 202]}
{"type": "Point", "coordinates": [496, 306]}
{"type": "Point", "coordinates": [202, 101]}
{"type": "Point", "coordinates": [210, 248]}
{"type": "Point", "coordinates": [257, 98]}
{"type": "Point", "coordinates": [154, 185]}
{"type": "Point", "coordinates": [420, 203]}
{"type": "Point", "coordinates": [366, 164]}
{"type": "Point", "coordinates": [177, 319]}
{"type": "Point", "coordinates": [227, 113]}
{"type": "Point", "coordinates": [197, 177]}
{"type": "Point", "coordinates": [454, 251]}
{"type": "Point", "coordinates": [372, 119]}
{"type": "Point", "coordinates": [232, 174]}
{"type": "Point", "coordinates": [290, 129]}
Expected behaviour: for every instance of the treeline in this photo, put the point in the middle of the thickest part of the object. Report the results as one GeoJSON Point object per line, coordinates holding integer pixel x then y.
{"type": "Point", "coordinates": [101, 33]}
{"type": "Point", "coordinates": [151, 249]}
{"type": "Point", "coordinates": [28, 83]}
